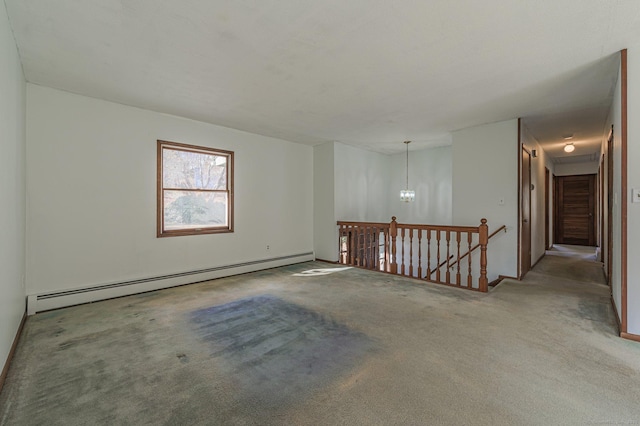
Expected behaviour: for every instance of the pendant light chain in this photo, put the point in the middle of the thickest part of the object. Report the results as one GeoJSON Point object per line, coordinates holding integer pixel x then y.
{"type": "Point", "coordinates": [406, 194]}
{"type": "Point", "coordinates": [407, 186]}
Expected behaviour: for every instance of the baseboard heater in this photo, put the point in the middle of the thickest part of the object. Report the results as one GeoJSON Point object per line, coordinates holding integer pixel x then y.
{"type": "Point", "coordinates": [59, 299]}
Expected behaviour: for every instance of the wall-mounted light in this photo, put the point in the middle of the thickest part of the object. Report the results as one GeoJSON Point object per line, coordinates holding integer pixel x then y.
{"type": "Point", "coordinates": [569, 147]}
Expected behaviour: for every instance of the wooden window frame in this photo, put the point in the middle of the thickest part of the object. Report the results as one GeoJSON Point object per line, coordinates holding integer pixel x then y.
{"type": "Point", "coordinates": [161, 232]}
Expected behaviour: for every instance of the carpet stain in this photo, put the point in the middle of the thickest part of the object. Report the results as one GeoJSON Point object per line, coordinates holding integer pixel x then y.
{"type": "Point", "coordinates": [282, 349]}
{"type": "Point", "coordinates": [87, 339]}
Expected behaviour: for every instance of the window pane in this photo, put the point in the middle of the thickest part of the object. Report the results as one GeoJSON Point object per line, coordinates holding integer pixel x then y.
{"type": "Point", "coordinates": [193, 170]}
{"type": "Point", "coordinates": [191, 210]}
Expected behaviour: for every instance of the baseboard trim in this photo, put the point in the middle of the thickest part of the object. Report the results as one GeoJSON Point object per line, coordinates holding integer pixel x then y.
{"type": "Point", "coordinates": [630, 336]}
{"type": "Point", "coordinates": [499, 280]}
{"type": "Point", "coordinates": [615, 313]}
{"type": "Point", "coordinates": [496, 281]}
{"type": "Point", "coordinates": [63, 298]}
{"type": "Point", "coordinates": [327, 261]}
{"type": "Point", "coordinates": [14, 345]}
{"type": "Point", "coordinates": [538, 261]}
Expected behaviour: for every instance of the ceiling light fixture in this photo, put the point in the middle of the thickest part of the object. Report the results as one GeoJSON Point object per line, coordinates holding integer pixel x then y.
{"type": "Point", "coordinates": [569, 147]}
{"type": "Point", "coordinates": [407, 194]}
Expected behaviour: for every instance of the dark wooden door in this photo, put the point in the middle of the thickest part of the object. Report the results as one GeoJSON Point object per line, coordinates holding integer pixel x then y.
{"type": "Point", "coordinates": [575, 210]}
{"type": "Point", "coordinates": [525, 213]}
{"type": "Point", "coordinates": [547, 205]}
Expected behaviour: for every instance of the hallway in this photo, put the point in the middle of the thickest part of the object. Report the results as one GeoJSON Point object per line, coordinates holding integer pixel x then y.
{"type": "Point", "coordinates": [568, 285]}
{"type": "Point", "coordinates": [573, 263]}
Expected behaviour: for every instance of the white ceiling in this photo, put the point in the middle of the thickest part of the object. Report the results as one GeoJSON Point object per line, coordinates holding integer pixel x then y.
{"type": "Point", "coordinates": [369, 73]}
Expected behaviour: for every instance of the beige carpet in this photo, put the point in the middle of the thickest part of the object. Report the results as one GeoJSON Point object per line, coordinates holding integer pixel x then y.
{"type": "Point", "coordinates": [350, 347]}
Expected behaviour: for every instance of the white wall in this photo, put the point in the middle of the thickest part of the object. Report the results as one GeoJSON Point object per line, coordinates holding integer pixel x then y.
{"type": "Point", "coordinates": [615, 119]}
{"type": "Point", "coordinates": [361, 184]}
{"type": "Point", "coordinates": [430, 175]}
{"type": "Point", "coordinates": [12, 188]}
{"type": "Point", "coordinates": [366, 187]}
{"type": "Point", "coordinates": [570, 169]}
{"type": "Point", "coordinates": [91, 194]}
{"type": "Point", "coordinates": [538, 165]}
{"type": "Point", "coordinates": [485, 170]}
{"type": "Point", "coordinates": [368, 184]}
{"type": "Point", "coordinates": [325, 235]}
{"type": "Point", "coordinates": [633, 181]}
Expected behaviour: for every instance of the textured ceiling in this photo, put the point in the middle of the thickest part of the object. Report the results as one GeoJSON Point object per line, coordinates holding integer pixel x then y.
{"type": "Point", "coordinates": [363, 72]}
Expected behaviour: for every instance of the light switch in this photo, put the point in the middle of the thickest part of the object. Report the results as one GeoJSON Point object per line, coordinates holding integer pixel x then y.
{"type": "Point", "coordinates": [501, 202]}
{"type": "Point", "coordinates": [635, 195]}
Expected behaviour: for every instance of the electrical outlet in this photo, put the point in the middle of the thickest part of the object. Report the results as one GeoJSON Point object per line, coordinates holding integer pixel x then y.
{"type": "Point", "coordinates": [267, 247]}
{"type": "Point", "coordinates": [635, 195]}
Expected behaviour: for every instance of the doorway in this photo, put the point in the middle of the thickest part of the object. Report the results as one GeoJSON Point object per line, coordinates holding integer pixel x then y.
{"type": "Point", "coordinates": [574, 218]}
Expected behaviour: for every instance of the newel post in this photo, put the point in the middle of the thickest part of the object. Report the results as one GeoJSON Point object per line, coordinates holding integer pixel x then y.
{"type": "Point", "coordinates": [393, 232]}
{"type": "Point", "coordinates": [483, 230]}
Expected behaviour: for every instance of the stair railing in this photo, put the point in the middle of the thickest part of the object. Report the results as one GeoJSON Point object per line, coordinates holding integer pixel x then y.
{"type": "Point", "coordinates": [419, 251]}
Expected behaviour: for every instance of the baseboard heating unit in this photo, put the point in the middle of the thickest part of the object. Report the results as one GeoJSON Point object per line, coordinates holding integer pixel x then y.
{"type": "Point", "coordinates": [59, 299]}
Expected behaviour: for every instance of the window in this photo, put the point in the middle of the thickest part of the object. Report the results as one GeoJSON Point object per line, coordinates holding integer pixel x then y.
{"type": "Point", "coordinates": [195, 190]}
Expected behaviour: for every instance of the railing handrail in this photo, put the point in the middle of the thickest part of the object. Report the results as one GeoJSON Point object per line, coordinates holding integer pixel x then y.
{"type": "Point", "coordinates": [477, 245]}
{"type": "Point", "coordinates": [453, 228]}
{"type": "Point", "coordinates": [370, 224]}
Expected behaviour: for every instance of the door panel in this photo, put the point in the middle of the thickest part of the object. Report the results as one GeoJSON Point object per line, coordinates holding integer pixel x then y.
{"type": "Point", "coordinates": [547, 245]}
{"type": "Point", "coordinates": [576, 210]}
{"type": "Point", "coordinates": [525, 213]}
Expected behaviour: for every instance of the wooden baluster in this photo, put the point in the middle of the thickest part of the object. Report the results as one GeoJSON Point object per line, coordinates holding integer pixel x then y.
{"type": "Point", "coordinates": [393, 231]}
{"type": "Point", "coordinates": [469, 241]}
{"type": "Point", "coordinates": [344, 246]}
{"type": "Point", "coordinates": [458, 233]}
{"type": "Point", "coordinates": [352, 245]}
{"type": "Point", "coordinates": [375, 258]}
{"type": "Point", "coordinates": [402, 235]}
{"type": "Point", "coordinates": [387, 266]}
{"type": "Point", "coordinates": [483, 239]}
{"type": "Point", "coordinates": [448, 257]}
{"type": "Point", "coordinates": [438, 256]}
{"type": "Point", "coordinates": [361, 244]}
{"type": "Point", "coordinates": [374, 248]}
{"type": "Point", "coordinates": [428, 255]}
{"type": "Point", "coordinates": [378, 240]}
{"type": "Point", "coordinates": [420, 253]}
{"type": "Point", "coordinates": [410, 252]}
{"type": "Point", "coordinates": [365, 248]}
{"type": "Point", "coordinates": [358, 245]}
{"type": "Point", "coordinates": [380, 244]}
{"type": "Point", "coordinates": [340, 229]}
